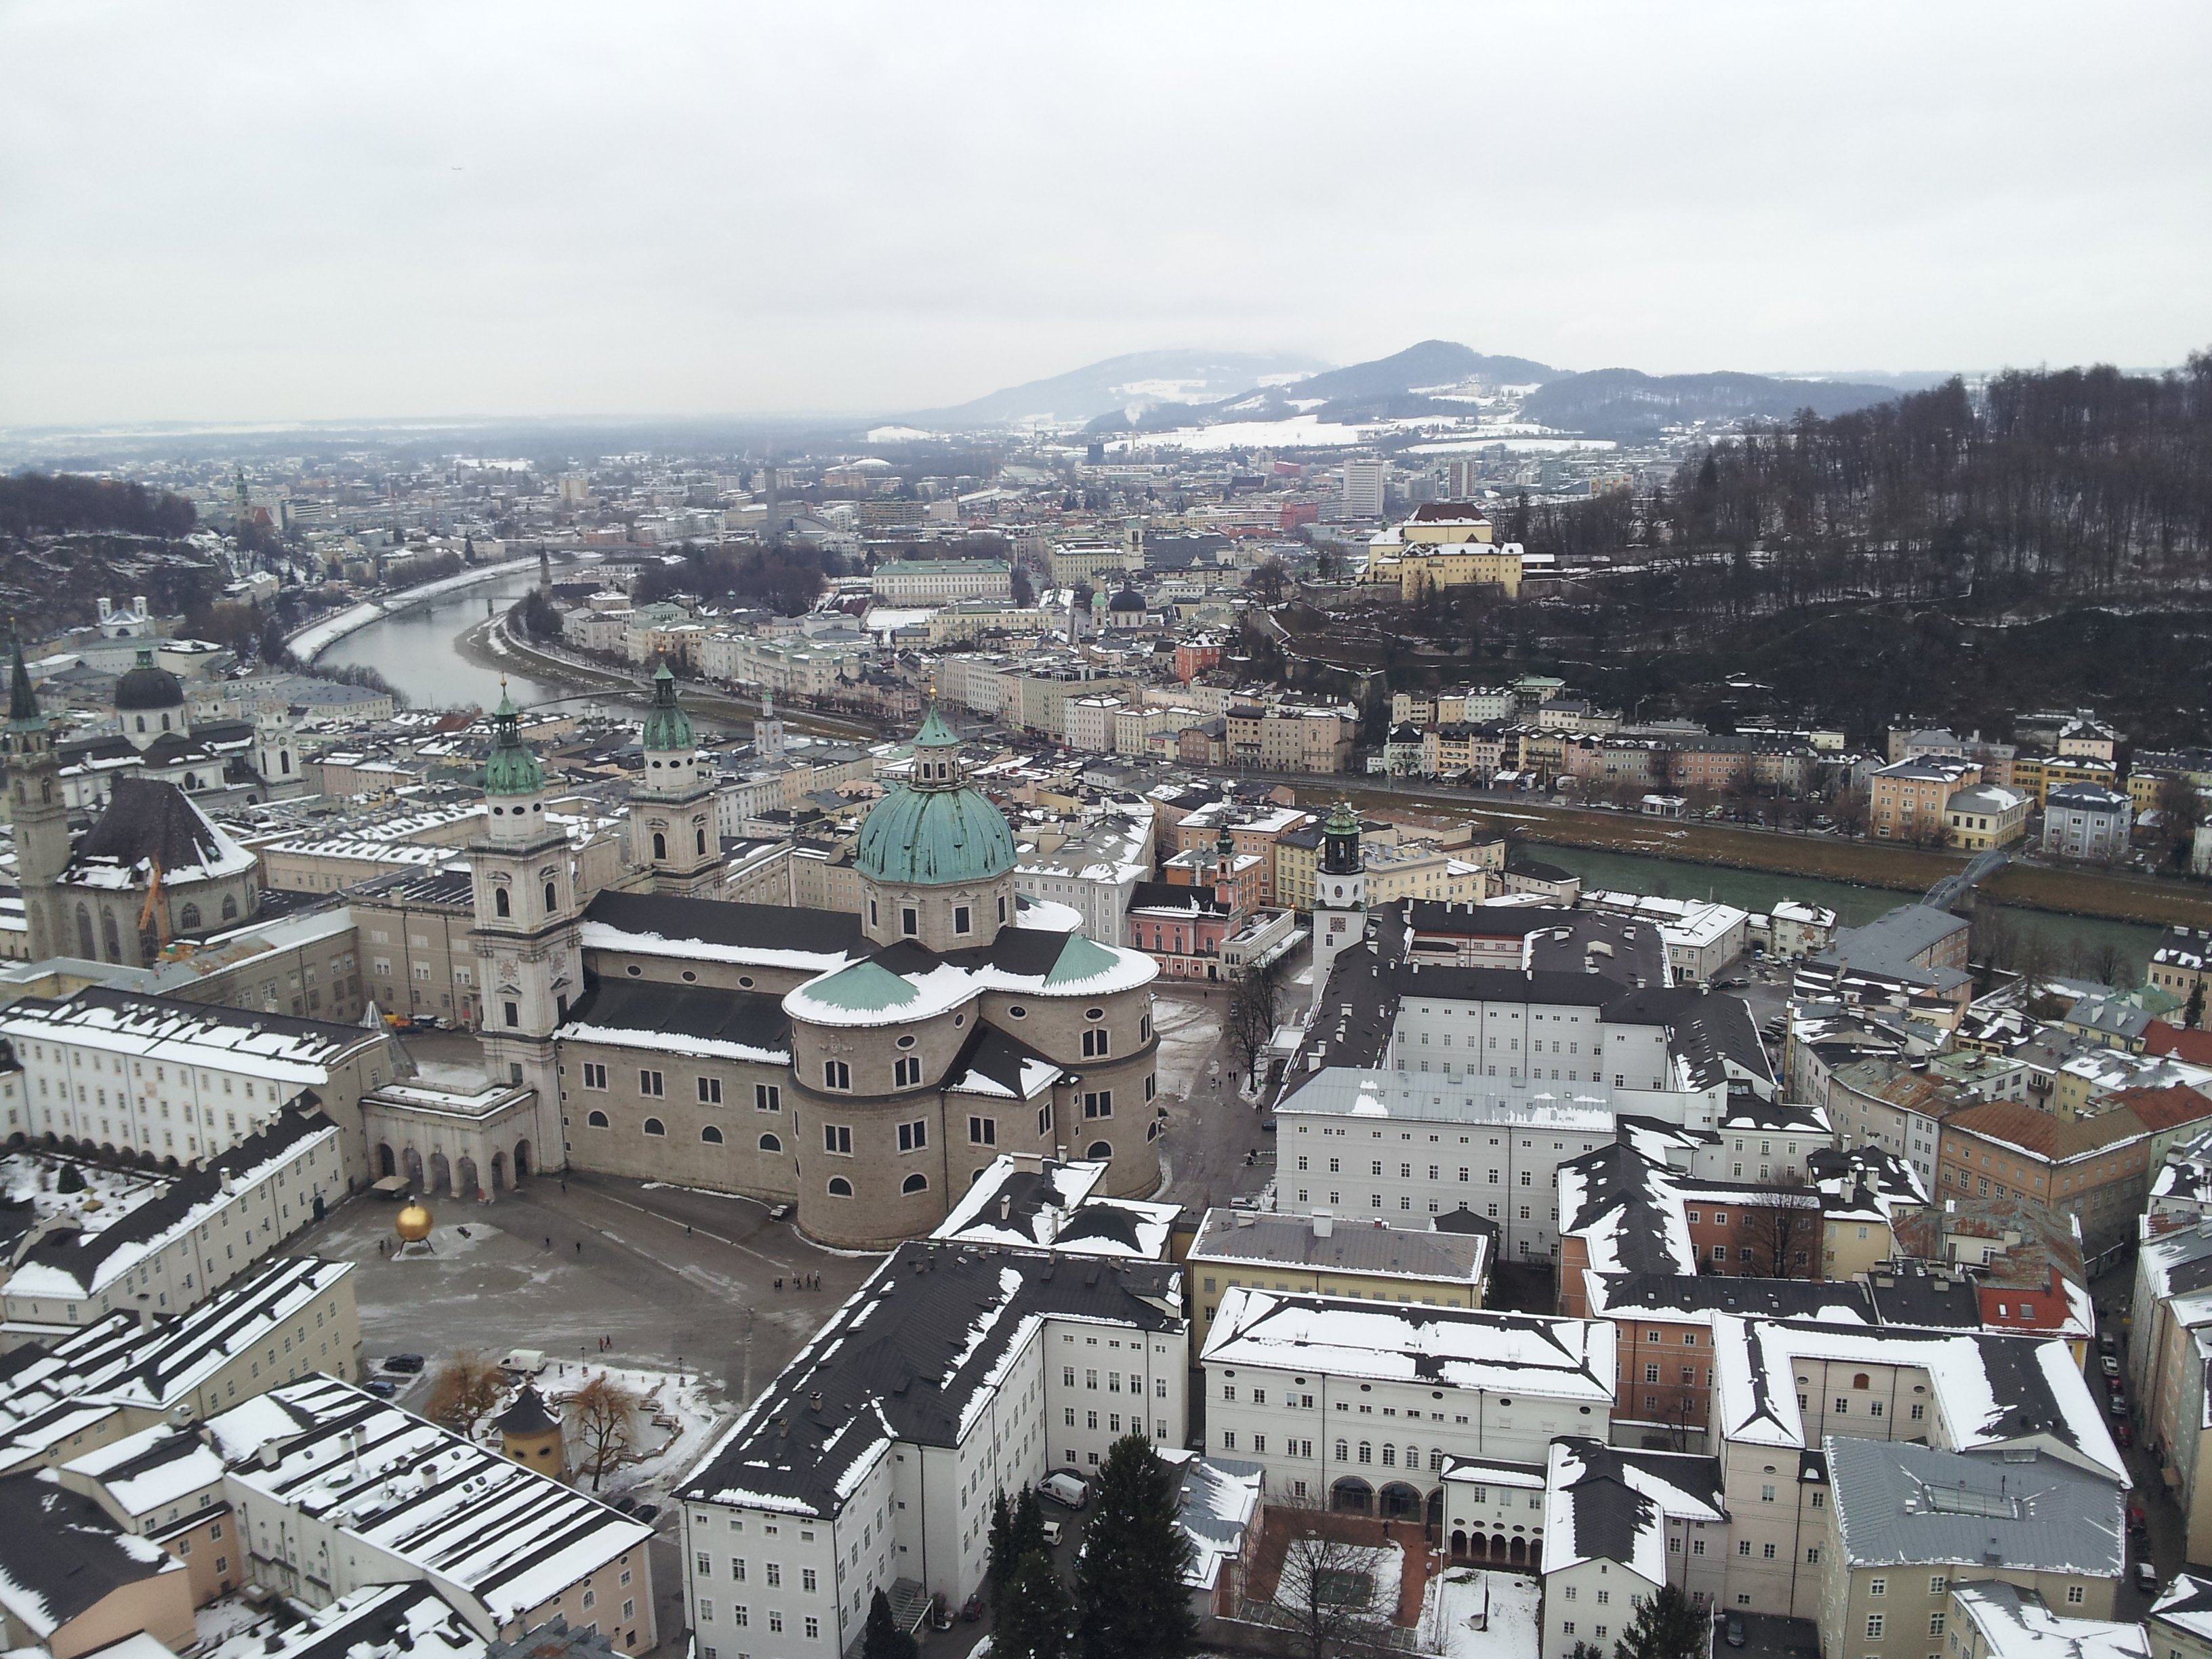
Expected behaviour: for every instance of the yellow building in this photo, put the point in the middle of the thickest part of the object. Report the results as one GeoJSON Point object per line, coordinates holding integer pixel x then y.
{"type": "Point", "coordinates": [1444, 544]}
{"type": "Point", "coordinates": [2039, 775]}
{"type": "Point", "coordinates": [1419, 870]}
{"type": "Point", "coordinates": [1319, 1254]}
{"type": "Point", "coordinates": [1985, 816]}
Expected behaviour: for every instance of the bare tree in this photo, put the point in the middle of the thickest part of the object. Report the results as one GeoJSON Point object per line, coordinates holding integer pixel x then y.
{"type": "Point", "coordinates": [2180, 810]}
{"type": "Point", "coordinates": [1849, 810]}
{"type": "Point", "coordinates": [466, 1389]}
{"type": "Point", "coordinates": [1781, 1240]}
{"type": "Point", "coordinates": [605, 1416]}
{"type": "Point", "coordinates": [1253, 1007]}
{"type": "Point", "coordinates": [1326, 1593]}
{"type": "Point", "coordinates": [2109, 965]}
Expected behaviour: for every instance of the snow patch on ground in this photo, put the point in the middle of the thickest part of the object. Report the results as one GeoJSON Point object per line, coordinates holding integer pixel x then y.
{"type": "Point", "coordinates": [1474, 1614]}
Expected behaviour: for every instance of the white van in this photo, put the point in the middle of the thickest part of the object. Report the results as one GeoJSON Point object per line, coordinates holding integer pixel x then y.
{"type": "Point", "coordinates": [1065, 1488]}
{"type": "Point", "coordinates": [523, 1362]}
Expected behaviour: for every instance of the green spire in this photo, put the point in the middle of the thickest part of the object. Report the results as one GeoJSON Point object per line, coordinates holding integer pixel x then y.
{"type": "Point", "coordinates": [511, 768]}
{"type": "Point", "coordinates": [23, 701]}
{"type": "Point", "coordinates": [666, 726]}
{"type": "Point", "coordinates": [935, 733]}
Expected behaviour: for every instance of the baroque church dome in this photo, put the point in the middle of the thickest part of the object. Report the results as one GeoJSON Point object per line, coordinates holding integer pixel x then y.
{"type": "Point", "coordinates": [147, 687]}
{"type": "Point", "coordinates": [932, 830]}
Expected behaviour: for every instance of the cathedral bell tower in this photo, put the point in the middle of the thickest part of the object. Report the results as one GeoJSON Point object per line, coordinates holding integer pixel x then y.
{"type": "Point", "coordinates": [673, 820]}
{"type": "Point", "coordinates": [38, 811]}
{"type": "Point", "coordinates": [1340, 908]}
{"type": "Point", "coordinates": [528, 936]}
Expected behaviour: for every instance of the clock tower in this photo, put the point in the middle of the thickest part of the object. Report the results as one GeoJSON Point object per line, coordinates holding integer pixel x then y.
{"type": "Point", "coordinates": [1340, 908]}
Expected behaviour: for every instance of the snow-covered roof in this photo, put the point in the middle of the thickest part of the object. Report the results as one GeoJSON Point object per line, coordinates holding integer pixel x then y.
{"type": "Point", "coordinates": [504, 1537]}
{"type": "Point", "coordinates": [1451, 1348]}
{"type": "Point", "coordinates": [380, 1621]}
{"type": "Point", "coordinates": [2017, 1624]}
{"type": "Point", "coordinates": [1603, 1503]}
{"type": "Point", "coordinates": [156, 1466]}
{"type": "Point", "coordinates": [1899, 1503]}
{"type": "Point", "coordinates": [293, 1053]}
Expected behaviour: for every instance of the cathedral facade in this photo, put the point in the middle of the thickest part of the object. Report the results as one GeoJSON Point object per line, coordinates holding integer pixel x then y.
{"type": "Point", "coordinates": [863, 1067]}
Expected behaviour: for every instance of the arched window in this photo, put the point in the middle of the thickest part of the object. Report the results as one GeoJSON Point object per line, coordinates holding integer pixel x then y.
{"type": "Point", "coordinates": [660, 847]}
{"type": "Point", "coordinates": [711, 1135]}
{"type": "Point", "coordinates": [1861, 1380]}
{"type": "Point", "coordinates": [597, 1120]}
{"type": "Point", "coordinates": [839, 1188]}
{"type": "Point", "coordinates": [86, 949]}
{"type": "Point", "coordinates": [285, 758]}
{"type": "Point", "coordinates": [1343, 1451]}
{"type": "Point", "coordinates": [915, 1183]}
{"type": "Point", "coordinates": [1099, 1149]}
{"type": "Point", "coordinates": [770, 1144]}
{"type": "Point", "coordinates": [701, 838]}
{"type": "Point", "coordinates": [500, 906]}
{"type": "Point", "coordinates": [107, 936]}
{"type": "Point", "coordinates": [189, 917]}
{"type": "Point", "coordinates": [164, 722]}
{"type": "Point", "coordinates": [654, 1125]}
{"type": "Point", "coordinates": [1366, 1452]}
{"type": "Point", "coordinates": [141, 722]}
{"type": "Point", "coordinates": [229, 909]}
{"type": "Point", "coordinates": [191, 781]}
{"type": "Point", "coordinates": [552, 898]}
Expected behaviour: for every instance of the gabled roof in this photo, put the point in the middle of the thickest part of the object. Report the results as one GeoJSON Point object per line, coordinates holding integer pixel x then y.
{"type": "Point", "coordinates": [60, 1554]}
{"type": "Point", "coordinates": [146, 820]}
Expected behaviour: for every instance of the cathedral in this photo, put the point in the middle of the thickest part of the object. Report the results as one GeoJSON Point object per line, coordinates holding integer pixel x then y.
{"type": "Point", "coordinates": [863, 1067]}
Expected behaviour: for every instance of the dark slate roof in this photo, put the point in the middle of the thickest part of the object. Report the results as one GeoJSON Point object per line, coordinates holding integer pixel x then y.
{"type": "Point", "coordinates": [715, 922]}
{"type": "Point", "coordinates": [1443, 981]}
{"type": "Point", "coordinates": [996, 1056]}
{"type": "Point", "coordinates": [1026, 952]}
{"type": "Point", "coordinates": [1173, 895]}
{"type": "Point", "coordinates": [905, 1358]}
{"type": "Point", "coordinates": [147, 819]}
{"type": "Point", "coordinates": [1618, 1176]}
{"type": "Point", "coordinates": [1487, 920]}
{"type": "Point", "coordinates": [1909, 1295]}
{"type": "Point", "coordinates": [61, 1547]}
{"type": "Point", "coordinates": [1464, 1220]}
{"type": "Point", "coordinates": [79, 1254]}
{"type": "Point", "coordinates": [527, 1415]}
{"type": "Point", "coordinates": [1519, 864]}
{"type": "Point", "coordinates": [1769, 1299]}
{"type": "Point", "coordinates": [1609, 1514]}
{"type": "Point", "coordinates": [700, 1012]}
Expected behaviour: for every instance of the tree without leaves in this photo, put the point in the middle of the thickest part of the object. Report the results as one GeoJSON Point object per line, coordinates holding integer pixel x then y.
{"type": "Point", "coordinates": [882, 1639]}
{"type": "Point", "coordinates": [1253, 1007]}
{"type": "Point", "coordinates": [2180, 810]}
{"type": "Point", "coordinates": [467, 1389]}
{"type": "Point", "coordinates": [1782, 1240]}
{"type": "Point", "coordinates": [1317, 1594]}
{"type": "Point", "coordinates": [605, 1417]}
{"type": "Point", "coordinates": [1129, 1584]}
{"type": "Point", "coordinates": [1667, 1625]}
{"type": "Point", "coordinates": [1269, 581]}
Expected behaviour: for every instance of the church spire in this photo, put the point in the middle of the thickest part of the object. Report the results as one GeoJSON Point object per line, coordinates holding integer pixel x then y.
{"type": "Point", "coordinates": [22, 701]}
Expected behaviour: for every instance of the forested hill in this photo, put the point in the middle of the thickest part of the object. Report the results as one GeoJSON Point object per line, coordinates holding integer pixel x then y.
{"type": "Point", "coordinates": [2060, 485]}
{"type": "Point", "coordinates": [67, 504]}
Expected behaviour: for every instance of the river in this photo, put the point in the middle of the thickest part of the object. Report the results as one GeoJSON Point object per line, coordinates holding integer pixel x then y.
{"type": "Point", "coordinates": [414, 650]}
{"type": "Point", "coordinates": [1756, 889]}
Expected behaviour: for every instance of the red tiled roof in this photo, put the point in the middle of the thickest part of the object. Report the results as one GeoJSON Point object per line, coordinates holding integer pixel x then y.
{"type": "Point", "coordinates": [2195, 1047]}
{"type": "Point", "coordinates": [2165, 1109]}
{"type": "Point", "coordinates": [2055, 1139]}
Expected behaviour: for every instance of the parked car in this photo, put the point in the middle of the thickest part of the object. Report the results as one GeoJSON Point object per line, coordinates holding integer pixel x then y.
{"type": "Point", "coordinates": [2146, 1579]}
{"type": "Point", "coordinates": [2111, 1366]}
{"type": "Point", "coordinates": [971, 1609]}
{"type": "Point", "coordinates": [523, 1362]}
{"type": "Point", "coordinates": [1733, 1634]}
{"type": "Point", "coordinates": [623, 1505]}
{"type": "Point", "coordinates": [782, 1212]}
{"type": "Point", "coordinates": [2111, 1385]}
{"type": "Point", "coordinates": [1268, 1127]}
{"type": "Point", "coordinates": [2107, 1343]}
{"type": "Point", "coordinates": [645, 1512]}
{"type": "Point", "coordinates": [1064, 1487]}
{"type": "Point", "coordinates": [408, 1362]}
{"type": "Point", "coordinates": [383, 1387]}
{"type": "Point", "coordinates": [2117, 1405]}
{"type": "Point", "coordinates": [2123, 1434]}
{"type": "Point", "coordinates": [1052, 1532]}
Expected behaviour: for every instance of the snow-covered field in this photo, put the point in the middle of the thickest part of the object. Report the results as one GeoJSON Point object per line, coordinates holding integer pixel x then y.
{"type": "Point", "coordinates": [1470, 1614]}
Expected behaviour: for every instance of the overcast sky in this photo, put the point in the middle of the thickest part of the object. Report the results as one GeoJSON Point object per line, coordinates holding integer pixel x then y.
{"type": "Point", "coordinates": [248, 211]}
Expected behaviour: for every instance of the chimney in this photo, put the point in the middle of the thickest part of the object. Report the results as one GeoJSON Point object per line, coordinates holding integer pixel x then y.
{"type": "Point", "coordinates": [1324, 1223]}
{"type": "Point", "coordinates": [1005, 1205]}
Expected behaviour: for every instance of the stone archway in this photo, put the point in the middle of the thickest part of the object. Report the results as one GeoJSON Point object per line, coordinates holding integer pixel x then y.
{"type": "Point", "coordinates": [386, 1163]}
{"type": "Point", "coordinates": [521, 1162]}
{"type": "Point", "coordinates": [1436, 1527]}
{"type": "Point", "coordinates": [464, 1178]}
{"type": "Point", "coordinates": [499, 1172]}
{"type": "Point", "coordinates": [413, 1162]}
{"type": "Point", "coordinates": [442, 1173]}
{"type": "Point", "coordinates": [1351, 1496]}
{"type": "Point", "coordinates": [1518, 1550]}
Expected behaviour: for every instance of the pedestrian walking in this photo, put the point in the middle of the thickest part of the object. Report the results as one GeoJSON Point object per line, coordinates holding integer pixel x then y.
{"type": "Point", "coordinates": [579, 1246]}
{"type": "Point", "coordinates": [549, 1241]}
{"type": "Point", "coordinates": [779, 1284]}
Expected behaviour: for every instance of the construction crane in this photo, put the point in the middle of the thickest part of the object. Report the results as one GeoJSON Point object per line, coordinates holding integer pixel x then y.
{"type": "Point", "coordinates": [153, 913]}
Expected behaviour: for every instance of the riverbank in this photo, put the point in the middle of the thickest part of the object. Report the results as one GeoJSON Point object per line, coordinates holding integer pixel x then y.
{"type": "Point", "coordinates": [491, 644]}
{"type": "Point", "coordinates": [2112, 897]}
{"type": "Point", "coordinates": [317, 637]}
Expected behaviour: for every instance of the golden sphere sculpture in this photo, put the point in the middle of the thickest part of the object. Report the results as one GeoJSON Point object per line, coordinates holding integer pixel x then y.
{"type": "Point", "coordinates": [412, 1223]}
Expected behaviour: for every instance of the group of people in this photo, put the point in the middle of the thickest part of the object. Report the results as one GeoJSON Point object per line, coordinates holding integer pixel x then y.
{"type": "Point", "coordinates": [802, 1282]}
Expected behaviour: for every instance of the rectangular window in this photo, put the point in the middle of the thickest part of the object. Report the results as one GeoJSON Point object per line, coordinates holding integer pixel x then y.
{"type": "Point", "coordinates": [710, 1091]}
{"type": "Point", "coordinates": [1094, 1044]}
{"type": "Point", "coordinates": [909, 924]}
{"type": "Point", "coordinates": [960, 924]}
{"type": "Point", "coordinates": [913, 1137]}
{"type": "Point", "coordinates": [595, 1077]}
{"type": "Point", "coordinates": [648, 1083]}
{"type": "Point", "coordinates": [1873, 1627]}
{"type": "Point", "coordinates": [906, 1071]}
{"type": "Point", "coordinates": [836, 1075]}
{"type": "Point", "coordinates": [837, 1138]}
{"type": "Point", "coordinates": [767, 1097]}
{"type": "Point", "coordinates": [1100, 1104]}
{"type": "Point", "coordinates": [982, 1132]}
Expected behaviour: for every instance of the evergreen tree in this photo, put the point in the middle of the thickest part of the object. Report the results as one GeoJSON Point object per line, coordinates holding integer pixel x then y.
{"type": "Point", "coordinates": [71, 1180]}
{"type": "Point", "coordinates": [1029, 1525]}
{"type": "Point", "coordinates": [1129, 1584]}
{"type": "Point", "coordinates": [1034, 1624]}
{"type": "Point", "coordinates": [1666, 1626]}
{"type": "Point", "coordinates": [2193, 1015]}
{"type": "Point", "coordinates": [882, 1639]}
{"type": "Point", "coordinates": [998, 1565]}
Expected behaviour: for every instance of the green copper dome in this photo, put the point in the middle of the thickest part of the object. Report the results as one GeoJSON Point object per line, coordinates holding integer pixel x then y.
{"type": "Point", "coordinates": [666, 726]}
{"type": "Point", "coordinates": [933, 830]}
{"type": "Point", "coordinates": [511, 768]}
{"type": "Point", "coordinates": [934, 837]}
